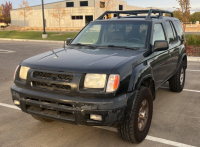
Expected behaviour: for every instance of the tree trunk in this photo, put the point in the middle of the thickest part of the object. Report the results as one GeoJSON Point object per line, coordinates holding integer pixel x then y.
{"type": "Point", "coordinates": [184, 24]}
{"type": "Point", "coordinates": [24, 20]}
{"type": "Point", "coordinates": [60, 27]}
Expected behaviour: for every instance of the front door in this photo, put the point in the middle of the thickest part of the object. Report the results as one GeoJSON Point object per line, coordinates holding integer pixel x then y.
{"type": "Point", "coordinates": [174, 45]}
{"type": "Point", "coordinates": [161, 60]}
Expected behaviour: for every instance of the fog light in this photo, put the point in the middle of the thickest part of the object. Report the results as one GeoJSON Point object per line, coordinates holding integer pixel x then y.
{"type": "Point", "coordinates": [96, 117]}
{"type": "Point", "coordinates": [16, 102]}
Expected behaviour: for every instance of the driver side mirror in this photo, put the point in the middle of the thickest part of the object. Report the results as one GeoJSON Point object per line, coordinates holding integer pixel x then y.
{"type": "Point", "coordinates": [69, 40]}
{"type": "Point", "coordinates": [160, 45]}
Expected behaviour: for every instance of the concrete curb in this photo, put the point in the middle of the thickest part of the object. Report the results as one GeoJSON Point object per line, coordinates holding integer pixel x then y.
{"type": "Point", "coordinates": [7, 39]}
{"type": "Point", "coordinates": [194, 59]}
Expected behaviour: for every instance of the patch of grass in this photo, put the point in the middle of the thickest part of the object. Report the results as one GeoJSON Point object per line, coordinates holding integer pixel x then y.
{"type": "Point", "coordinates": [193, 39]}
{"type": "Point", "coordinates": [36, 35]}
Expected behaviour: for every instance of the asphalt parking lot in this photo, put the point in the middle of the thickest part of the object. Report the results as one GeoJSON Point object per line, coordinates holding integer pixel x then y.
{"type": "Point", "coordinates": [176, 118]}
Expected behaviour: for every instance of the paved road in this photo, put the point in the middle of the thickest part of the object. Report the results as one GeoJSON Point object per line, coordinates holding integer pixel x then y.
{"type": "Point", "coordinates": [176, 115]}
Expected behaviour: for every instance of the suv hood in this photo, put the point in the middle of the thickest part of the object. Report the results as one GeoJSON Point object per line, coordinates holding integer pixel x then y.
{"type": "Point", "coordinates": [80, 60]}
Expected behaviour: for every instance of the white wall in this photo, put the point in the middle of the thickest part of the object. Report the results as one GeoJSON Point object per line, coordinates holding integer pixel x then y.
{"type": "Point", "coordinates": [35, 19]}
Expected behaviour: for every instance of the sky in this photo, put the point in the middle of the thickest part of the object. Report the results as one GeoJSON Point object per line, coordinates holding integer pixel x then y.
{"type": "Point", "coordinates": [165, 4]}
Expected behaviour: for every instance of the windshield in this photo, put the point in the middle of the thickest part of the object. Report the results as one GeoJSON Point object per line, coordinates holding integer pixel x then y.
{"type": "Point", "coordinates": [110, 34]}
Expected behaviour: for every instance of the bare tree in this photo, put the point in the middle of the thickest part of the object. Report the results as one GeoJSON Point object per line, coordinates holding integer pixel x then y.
{"type": "Point", "coordinates": [1, 14]}
{"type": "Point", "coordinates": [6, 12]}
{"type": "Point", "coordinates": [109, 4]}
{"type": "Point", "coordinates": [184, 8]}
{"type": "Point", "coordinates": [25, 10]}
{"type": "Point", "coordinates": [59, 14]}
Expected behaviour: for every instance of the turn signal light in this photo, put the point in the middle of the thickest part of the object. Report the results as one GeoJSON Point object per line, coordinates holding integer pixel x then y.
{"type": "Point", "coordinates": [113, 83]}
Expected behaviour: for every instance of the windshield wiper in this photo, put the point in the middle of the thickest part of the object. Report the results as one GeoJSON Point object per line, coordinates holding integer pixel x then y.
{"type": "Point", "coordinates": [79, 44]}
{"type": "Point", "coordinates": [126, 47]}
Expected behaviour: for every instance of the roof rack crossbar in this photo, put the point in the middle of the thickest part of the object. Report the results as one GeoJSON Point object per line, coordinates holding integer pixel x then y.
{"type": "Point", "coordinates": [136, 12]}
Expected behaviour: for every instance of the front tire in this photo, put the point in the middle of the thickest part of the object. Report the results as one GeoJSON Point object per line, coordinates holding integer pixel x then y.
{"type": "Point", "coordinates": [136, 129]}
{"type": "Point", "coordinates": [177, 82]}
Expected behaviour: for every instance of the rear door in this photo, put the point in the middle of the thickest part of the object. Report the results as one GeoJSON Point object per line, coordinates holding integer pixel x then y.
{"type": "Point", "coordinates": [174, 45]}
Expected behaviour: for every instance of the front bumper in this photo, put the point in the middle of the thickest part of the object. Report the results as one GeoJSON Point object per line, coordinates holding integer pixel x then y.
{"type": "Point", "coordinates": [74, 110]}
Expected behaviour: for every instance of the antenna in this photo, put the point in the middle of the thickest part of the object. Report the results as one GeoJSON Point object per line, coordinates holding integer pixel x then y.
{"type": "Point", "coordinates": [64, 45]}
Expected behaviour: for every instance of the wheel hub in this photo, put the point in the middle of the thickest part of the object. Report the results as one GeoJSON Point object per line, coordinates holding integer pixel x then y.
{"type": "Point", "coordinates": [143, 115]}
{"type": "Point", "coordinates": [182, 76]}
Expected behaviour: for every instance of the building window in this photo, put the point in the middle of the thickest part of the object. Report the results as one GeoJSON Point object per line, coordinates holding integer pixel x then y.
{"type": "Point", "coordinates": [120, 7]}
{"type": "Point", "coordinates": [83, 3]}
{"type": "Point", "coordinates": [102, 4]}
{"type": "Point", "coordinates": [69, 4]}
{"type": "Point", "coordinates": [77, 17]}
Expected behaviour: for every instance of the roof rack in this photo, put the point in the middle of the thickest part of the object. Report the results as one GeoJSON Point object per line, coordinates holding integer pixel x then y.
{"type": "Point", "coordinates": [136, 12]}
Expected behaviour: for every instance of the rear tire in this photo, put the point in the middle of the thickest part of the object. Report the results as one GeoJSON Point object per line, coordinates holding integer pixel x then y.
{"type": "Point", "coordinates": [42, 119]}
{"type": "Point", "coordinates": [136, 129]}
{"type": "Point", "coordinates": [177, 82]}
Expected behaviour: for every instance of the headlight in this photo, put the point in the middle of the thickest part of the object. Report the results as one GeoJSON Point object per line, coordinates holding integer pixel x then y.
{"type": "Point", "coordinates": [113, 83]}
{"type": "Point", "coordinates": [23, 72]}
{"type": "Point", "coordinates": [15, 71]}
{"type": "Point", "coordinates": [95, 81]}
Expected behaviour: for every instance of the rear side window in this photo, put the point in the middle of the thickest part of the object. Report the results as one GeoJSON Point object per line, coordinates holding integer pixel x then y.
{"type": "Point", "coordinates": [174, 31]}
{"type": "Point", "coordinates": [179, 27]}
{"type": "Point", "coordinates": [171, 32]}
{"type": "Point", "coordinates": [158, 33]}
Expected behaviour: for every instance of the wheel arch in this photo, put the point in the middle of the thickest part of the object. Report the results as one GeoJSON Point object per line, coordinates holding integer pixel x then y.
{"type": "Point", "coordinates": [148, 81]}
{"type": "Point", "coordinates": [184, 59]}
{"type": "Point", "coordinates": [182, 56]}
{"type": "Point", "coordinates": [142, 75]}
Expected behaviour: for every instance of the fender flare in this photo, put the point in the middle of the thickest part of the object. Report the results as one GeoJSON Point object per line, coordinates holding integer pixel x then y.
{"type": "Point", "coordinates": [139, 74]}
{"type": "Point", "coordinates": [182, 55]}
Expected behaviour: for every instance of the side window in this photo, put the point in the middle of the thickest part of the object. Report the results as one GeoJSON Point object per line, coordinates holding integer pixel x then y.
{"type": "Point", "coordinates": [175, 35]}
{"type": "Point", "coordinates": [171, 32]}
{"type": "Point", "coordinates": [158, 33]}
{"type": "Point", "coordinates": [179, 27]}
